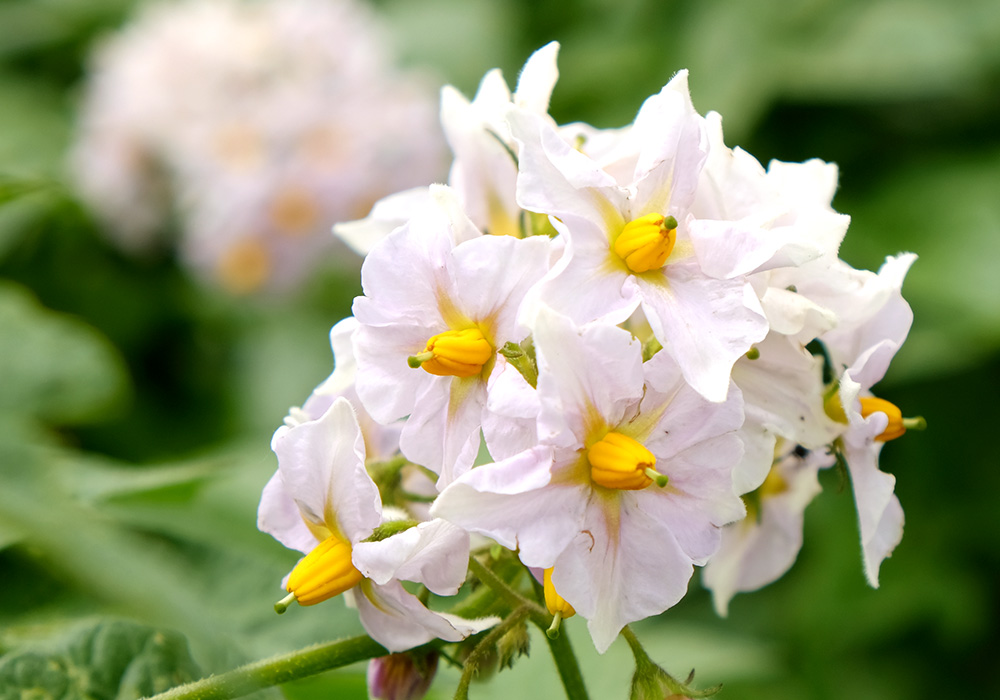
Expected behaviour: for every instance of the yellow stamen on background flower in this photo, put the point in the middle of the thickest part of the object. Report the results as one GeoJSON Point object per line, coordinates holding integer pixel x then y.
{"type": "Point", "coordinates": [774, 484]}
{"type": "Point", "coordinates": [557, 605]}
{"type": "Point", "coordinates": [897, 424]}
{"type": "Point", "coordinates": [294, 212]}
{"type": "Point", "coordinates": [454, 354]}
{"type": "Point", "coordinates": [245, 267]}
{"type": "Point", "coordinates": [325, 572]}
{"type": "Point", "coordinates": [645, 243]}
{"type": "Point", "coordinates": [619, 462]}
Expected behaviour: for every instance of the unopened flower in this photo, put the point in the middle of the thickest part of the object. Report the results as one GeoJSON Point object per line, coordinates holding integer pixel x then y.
{"type": "Point", "coordinates": [405, 676]}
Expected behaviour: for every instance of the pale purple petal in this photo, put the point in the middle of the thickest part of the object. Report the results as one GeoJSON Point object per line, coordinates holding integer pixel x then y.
{"type": "Point", "coordinates": [322, 467]}
{"type": "Point", "coordinates": [279, 517]}
{"type": "Point", "coordinates": [586, 373]}
{"type": "Point", "coordinates": [623, 565]}
{"type": "Point", "coordinates": [398, 621]}
{"type": "Point", "coordinates": [706, 324]}
{"type": "Point", "coordinates": [556, 179]}
{"type": "Point", "coordinates": [756, 552]}
{"type": "Point", "coordinates": [443, 431]}
{"type": "Point", "coordinates": [516, 503]}
{"type": "Point", "coordinates": [434, 553]}
{"type": "Point", "coordinates": [386, 216]}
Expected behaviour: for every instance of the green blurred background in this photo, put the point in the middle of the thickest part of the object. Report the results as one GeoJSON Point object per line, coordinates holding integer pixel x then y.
{"type": "Point", "coordinates": [136, 406]}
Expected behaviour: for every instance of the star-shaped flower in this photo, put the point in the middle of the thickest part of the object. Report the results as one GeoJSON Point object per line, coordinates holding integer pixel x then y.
{"type": "Point", "coordinates": [628, 484]}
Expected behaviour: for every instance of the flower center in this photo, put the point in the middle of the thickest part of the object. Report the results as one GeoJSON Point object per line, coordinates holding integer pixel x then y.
{"type": "Point", "coordinates": [325, 572]}
{"type": "Point", "coordinates": [454, 354]}
{"type": "Point", "coordinates": [645, 243]}
{"type": "Point", "coordinates": [619, 462]}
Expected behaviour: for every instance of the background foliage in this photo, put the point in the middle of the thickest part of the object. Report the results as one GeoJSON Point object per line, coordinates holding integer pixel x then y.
{"type": "Point", "coordinates": [136, 407]}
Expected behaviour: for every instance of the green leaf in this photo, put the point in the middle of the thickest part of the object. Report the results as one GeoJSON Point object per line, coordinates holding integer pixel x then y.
{"type": "Point", "coordinates": [945, 209]}
{"type": "Point", "coordinates": [53, 366]}
{"type": "Point", "coordinates": [107, 660]}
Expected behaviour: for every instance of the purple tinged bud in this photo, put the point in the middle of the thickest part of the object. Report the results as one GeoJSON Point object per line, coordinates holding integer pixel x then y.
{"type": "Point", "coordinates": [405, 676]}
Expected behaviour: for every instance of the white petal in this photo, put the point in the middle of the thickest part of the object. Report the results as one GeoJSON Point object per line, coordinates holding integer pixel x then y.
{"type": "Point", "coordinates": [386, 216]}
{"type": "Point", "coordinates": [434, 553]}
{"type": "Point", "coordinates": [755, 553]}
{"type": "Point", "coordinates": [443, 431]}
{"type": "Point", "coordinates": [622, 566]}
{"type": "Point", "coordinates": [398, 621]}
{"type": "Point", "coordinates": [322, 467]}
{"type": "Point", "coordinates": [279, 517]}
{"type": "Point", "coordinates": [583, 373]}
{"type": "Point", "coordinates": [514, 503]}
{"type": "Point", "coordinates": [538, 77]}
{"type": "Point", "coordinates": [706, 324]}
{"type": "Point", "coordinates": [556, 179]}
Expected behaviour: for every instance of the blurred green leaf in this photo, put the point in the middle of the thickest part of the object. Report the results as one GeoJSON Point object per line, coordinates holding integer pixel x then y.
{"type": "Point", "coordinates": [53, 366]}
{"type": "Point", "coordinates": [34, 124]}
{"type": "Point", "coordinates": [110, 660]}
{"type": "Point", "coordinates": [945, 208]}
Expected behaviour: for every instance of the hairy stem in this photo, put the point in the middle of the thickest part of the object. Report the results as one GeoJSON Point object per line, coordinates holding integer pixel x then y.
{"type": "Point", "coordinates": [276, 670]}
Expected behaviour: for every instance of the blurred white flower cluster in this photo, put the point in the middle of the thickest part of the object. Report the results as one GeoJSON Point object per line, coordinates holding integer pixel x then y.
{"type": "Point", "coordinates": [250, 127]}
{"type": "Point", "coordinates": [658, 356]}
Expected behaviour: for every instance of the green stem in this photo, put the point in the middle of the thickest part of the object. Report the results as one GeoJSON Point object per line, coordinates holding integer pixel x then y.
{"type": "Point", "coordinates": [562, 650]}
{"type": "Point", "coordinates": [276, 670]}
{"type": "Point", "coordinates": [569, 669]}
{"type": "Point", "coordinates": [483, 650]}
{"type": "Point", "coordinates": [650, 673]}
{"type": "Point", "coordinates": [508, 594]}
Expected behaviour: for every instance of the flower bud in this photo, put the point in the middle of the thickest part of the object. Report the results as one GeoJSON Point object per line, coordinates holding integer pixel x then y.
{"type": "Point", "coordinates": [404, 676]}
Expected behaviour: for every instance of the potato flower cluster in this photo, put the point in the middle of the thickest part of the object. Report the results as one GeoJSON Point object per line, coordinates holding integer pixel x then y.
{"type": "Point", "coordinates": [618, 353]}
{"type": "Point", "coordinates": [249, 128]}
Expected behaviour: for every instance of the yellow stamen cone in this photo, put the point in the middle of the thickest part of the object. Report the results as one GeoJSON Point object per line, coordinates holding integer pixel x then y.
{"type": "Point", "coordinates": [646, 243]}
{"type": "Point", "coordinates": [619, 462]}
{"type": "Point", "coordinates": [325, 572]}
{"type": "Point", "coordinates": [897, 425]}
{"type": "Point", "coordinates": [455, 354]}
{"type": "Point", "coordinates": [556, 604]}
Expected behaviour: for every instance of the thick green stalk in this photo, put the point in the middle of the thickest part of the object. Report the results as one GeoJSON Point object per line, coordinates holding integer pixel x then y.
{"type": "Point", "coordinates": [276, 670]}
{"type": "Point", "coordinates": [569, 669]}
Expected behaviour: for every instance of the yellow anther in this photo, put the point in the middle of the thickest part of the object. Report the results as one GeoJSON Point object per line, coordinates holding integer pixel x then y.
{"type": "Point", "coordinates": [553, 601]}
{"type": "Point", "coordinates": [557, 605]}
{"type": "Point", "coordinates": [773, 485]}
{"type": "Point", "coordinates": [455, 354]}
{"type": "Point", "coordinates": [619, 462]}
{"type": "Point", "coordinates": [645, 243]}
{"type": "Point", "coordinates": [325, 572]}
{"type": "Point", "coordinates": [897, 424]}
